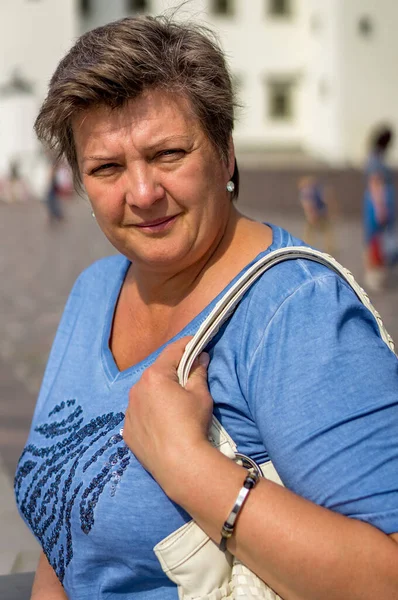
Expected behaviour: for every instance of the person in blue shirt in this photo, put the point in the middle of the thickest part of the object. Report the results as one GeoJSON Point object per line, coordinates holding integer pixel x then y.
{"type": "Point", "coordinates": [118, 456]}
{"type": "Point", "coordinates": [381, 248]}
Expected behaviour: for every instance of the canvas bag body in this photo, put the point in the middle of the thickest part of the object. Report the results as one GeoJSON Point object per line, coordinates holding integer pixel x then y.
{"type": "Point", "coordinates": [188, 556]}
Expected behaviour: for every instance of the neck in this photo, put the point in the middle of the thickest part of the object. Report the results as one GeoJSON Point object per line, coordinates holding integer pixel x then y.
{"type": "Point", "coordinates": [171, 287]}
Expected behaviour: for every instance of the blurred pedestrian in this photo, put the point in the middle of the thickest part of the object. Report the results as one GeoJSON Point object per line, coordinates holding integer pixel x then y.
{"type": "Point", "coordinates": [14, 188]}
{"type": "Point", "coordinates": [64, 181]}
{"type": "Point", "coordinates": [316, 201]}
{"type": "Point", "coordinates": [53, 201]}
{"type": "Point", "coordinates": [379, 212]}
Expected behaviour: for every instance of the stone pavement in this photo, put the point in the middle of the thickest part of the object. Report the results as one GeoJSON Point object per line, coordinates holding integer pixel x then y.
{"type": "Point", "coordinates": [38, 265]}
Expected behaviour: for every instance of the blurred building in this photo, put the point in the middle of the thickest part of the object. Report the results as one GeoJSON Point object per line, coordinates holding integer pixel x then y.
{"type": "Point", "coordinates": [34, 34]}
{"type": "Point", "coordinates": [314, 76]}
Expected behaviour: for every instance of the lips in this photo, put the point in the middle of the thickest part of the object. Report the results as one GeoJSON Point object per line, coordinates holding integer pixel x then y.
{"type": "Point", "coordinates": [155, 222]}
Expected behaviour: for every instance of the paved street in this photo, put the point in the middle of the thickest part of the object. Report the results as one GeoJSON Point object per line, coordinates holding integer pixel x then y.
{"type": "Point", "coordinates": [38, 265]}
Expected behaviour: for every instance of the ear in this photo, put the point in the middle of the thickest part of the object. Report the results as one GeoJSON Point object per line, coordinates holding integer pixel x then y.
{"type": "Point", "coordinates": [231, 157]}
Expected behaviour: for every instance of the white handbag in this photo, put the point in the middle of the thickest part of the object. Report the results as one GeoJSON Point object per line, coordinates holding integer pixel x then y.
{"type": "Point", "coordinates": [188, 556]}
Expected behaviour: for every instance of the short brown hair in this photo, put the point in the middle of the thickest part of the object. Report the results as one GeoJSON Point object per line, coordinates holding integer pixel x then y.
{"type": "Point", "coordinates": [118, 61]}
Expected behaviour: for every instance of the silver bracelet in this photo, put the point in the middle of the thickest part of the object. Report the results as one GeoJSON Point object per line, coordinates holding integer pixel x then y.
{"type": "Point", "coordinates": [229, 525]}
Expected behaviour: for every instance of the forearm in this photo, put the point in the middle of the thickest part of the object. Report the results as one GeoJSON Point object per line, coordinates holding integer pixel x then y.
{"type": "Point", "coordinates": [301, 550]}
{"type": "Point", "coordinates": [46, 585]}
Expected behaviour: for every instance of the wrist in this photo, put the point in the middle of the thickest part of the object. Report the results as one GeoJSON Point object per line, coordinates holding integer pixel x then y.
{"type": "Point", "coordinates": [206, 485]}
{"type": "Point", "coordinates": [228, 527]}
{"type": "Point", "coordinates": [187, 466]}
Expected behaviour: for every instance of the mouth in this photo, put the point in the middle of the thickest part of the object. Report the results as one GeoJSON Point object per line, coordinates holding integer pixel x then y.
{"type": "Point", "coordinates": [157, 224]}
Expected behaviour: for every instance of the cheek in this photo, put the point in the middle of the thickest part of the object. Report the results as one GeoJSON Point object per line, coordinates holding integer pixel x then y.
{"type": "Point", "coordinates": [106, 199]}
{"type": "Point", "coordinates": [213, 178]}
{"type": "Point", "coordinates": [197, 185]}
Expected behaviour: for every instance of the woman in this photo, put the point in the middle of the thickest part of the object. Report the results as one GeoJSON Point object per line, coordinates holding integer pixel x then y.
{"type": "Point", "coordinates": [379, 212]}
{"type": "Point", "coordinates": [142, 109]}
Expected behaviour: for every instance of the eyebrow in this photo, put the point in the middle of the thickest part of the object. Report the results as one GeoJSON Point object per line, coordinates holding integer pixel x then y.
{"type": "Point", "coordinates": [166, 140]}
{"type": "Point", "coordinates": [94, 157]}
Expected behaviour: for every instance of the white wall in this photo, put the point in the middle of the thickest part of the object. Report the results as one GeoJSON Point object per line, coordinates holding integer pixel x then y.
{"type": "Point", "coordinates": [322, 93]}
{"type": "Point", "coordinates": [256, 47]}
{"type": "Point", "coordinates": [103, 11]}
{"type": "Point", "coordinates": [369, 73]}
{"type": "Point", "coordinates": [34, 35]}
{"type": "Point", "coordinates": [17, 139]}
{"type": "Point", "coordinates": [345, 83]}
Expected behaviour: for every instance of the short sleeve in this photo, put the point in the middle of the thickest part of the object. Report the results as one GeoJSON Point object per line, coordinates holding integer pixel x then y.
{"type": "Point", "coordinates": [324, 394]}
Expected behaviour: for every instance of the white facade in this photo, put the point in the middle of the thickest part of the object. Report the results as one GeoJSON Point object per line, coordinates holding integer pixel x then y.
{"type": "Point", "coordinates": [337, 57]}
{"type": "Point", "coordinates": [34, 35]}
{"type": "Point", "coordinates": [321, 109]}
{"type": "Point", "coordinates": [369, 72]}
{"type": "Point", "coordinates": [351, 82]}
{"type": "Point", "coordinates": [333, 61]}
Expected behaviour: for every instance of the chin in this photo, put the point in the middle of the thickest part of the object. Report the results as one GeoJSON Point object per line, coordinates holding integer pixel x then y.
{"type": "Point", "coordinates": [163, 253]}
{"type": "Point", "coordinates": [161, 260]}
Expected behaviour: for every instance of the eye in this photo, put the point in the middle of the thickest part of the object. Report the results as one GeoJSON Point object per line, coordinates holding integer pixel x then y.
{"type": "Point", "coordinates": [103, 168]}
{"type": "Point", "coordinates": [171, 153]}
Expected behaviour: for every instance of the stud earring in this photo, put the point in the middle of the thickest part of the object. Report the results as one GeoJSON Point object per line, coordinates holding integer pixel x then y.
{"type": "Point", "coordinates": [92, 214]}
{"type": "Point", "coordinates": [230, 186]}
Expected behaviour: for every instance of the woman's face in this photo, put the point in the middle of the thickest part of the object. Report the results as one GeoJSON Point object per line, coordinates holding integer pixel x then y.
{"type": "Point", "coordinates": [156, 183]}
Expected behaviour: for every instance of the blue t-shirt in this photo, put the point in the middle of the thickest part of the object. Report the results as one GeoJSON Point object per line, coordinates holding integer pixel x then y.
{"type": "Point", "coordinates": [299, 373]}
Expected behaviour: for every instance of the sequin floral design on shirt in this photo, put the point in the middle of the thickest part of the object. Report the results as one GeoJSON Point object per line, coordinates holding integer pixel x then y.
{"type": "Point", "coordinates": [45, 483]}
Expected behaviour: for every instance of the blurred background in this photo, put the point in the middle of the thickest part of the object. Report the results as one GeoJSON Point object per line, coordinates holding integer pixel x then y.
{"type": "Point", "coordinates": [314, 78]}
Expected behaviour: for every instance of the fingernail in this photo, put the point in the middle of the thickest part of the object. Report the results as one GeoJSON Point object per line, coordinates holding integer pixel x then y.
{"type": "Point", "coordinates": [204, 359]}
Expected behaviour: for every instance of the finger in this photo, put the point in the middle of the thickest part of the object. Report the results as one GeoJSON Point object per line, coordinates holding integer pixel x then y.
{"type": "Point", "coordinates": [170, 357]}
{"type": "Point", "coordinates": [198, 374]}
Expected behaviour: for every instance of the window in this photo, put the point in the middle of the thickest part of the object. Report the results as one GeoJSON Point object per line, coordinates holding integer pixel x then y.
{"type": "Point", "coordinates": [85, 8]}
{"type": "Point", "coordinates": [222, 7]}
{"type": "Point", "coordinates": [280, 8]}
{"type": "Point", "coordinates": [280, 99]}
{"type": "Point", "coordinates": [138, 5]}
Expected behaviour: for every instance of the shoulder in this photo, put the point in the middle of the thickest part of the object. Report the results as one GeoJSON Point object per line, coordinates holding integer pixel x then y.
{"type": "Point", "coordinates": [103, 269]}
{"type": "Point", "coordinates": [301, 299]}
{"type": "Point", "coordinates": [86, 304]}
{"type": "Point", "coordinates": [101, 275]}
{"type": "Point", "coordinates": [94, 285]}
{"type": "Point", "coordinates": [294, 280]}
{"type": "Point", "coordinates": [304, 300]}
{"type": "Point", "coordinates": [302, 310]}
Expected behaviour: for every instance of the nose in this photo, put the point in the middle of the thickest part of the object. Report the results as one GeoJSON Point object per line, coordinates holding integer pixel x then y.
{"type": "Point", "coordinates": [143, 187]}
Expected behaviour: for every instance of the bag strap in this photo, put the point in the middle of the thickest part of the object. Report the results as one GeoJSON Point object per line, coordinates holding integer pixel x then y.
{"type": "Point", "coordinates": [226, 305]}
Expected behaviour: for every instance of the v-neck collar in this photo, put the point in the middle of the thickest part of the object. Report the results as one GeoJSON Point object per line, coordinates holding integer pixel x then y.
{"type": "Point", "coordinates": [111, 369]}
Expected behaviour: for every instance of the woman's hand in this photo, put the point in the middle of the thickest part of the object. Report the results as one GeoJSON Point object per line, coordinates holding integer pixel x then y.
{"type": "Point", "coordinates": [165, 423]}
{"type": "Point", "coordinates": [282, 537]}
